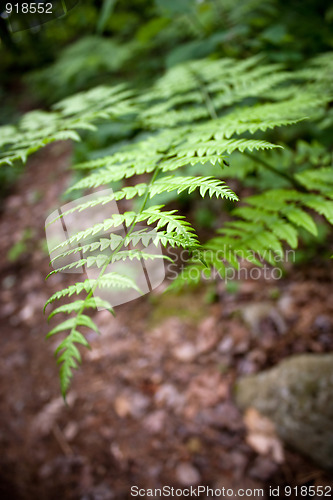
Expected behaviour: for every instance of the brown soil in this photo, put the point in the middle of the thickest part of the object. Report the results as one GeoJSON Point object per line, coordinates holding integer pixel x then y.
{"type": "Point", "coordinates": [152, 404]}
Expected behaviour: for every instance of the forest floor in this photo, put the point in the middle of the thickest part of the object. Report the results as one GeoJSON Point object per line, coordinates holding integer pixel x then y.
{"type": "Point", "coordinates": [152, 404]}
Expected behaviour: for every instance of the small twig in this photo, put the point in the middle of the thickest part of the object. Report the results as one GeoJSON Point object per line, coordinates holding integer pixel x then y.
{"type": "Point", "coordinates": [310, 476]}
{"type": "Point", "coordinates": [67, 450]}
{"type": "Point", "coordinates": [285, 176]}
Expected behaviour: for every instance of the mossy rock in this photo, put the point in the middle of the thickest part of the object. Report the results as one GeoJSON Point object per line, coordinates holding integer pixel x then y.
{"type": "Point", "coordinates": [189, 307]}
{"type": "Point", "coordinates": [297, 395]}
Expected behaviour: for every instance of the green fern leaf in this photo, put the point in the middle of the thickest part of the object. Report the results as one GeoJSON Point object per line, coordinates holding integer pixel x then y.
{"type": "Point", "coordinates": [301, 218]}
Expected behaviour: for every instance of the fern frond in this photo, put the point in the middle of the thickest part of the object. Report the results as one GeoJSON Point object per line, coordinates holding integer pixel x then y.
{"type": "Point", "coordinates": [77, 305]}
{"type": "Point", "coordinates": [267, 221]}
{"type": "Point", "coordinates": [198, 113]}
{"type": "Point", "coordinates": [223, 146]}
{"type": "Point", "coordinates": [81, 320]}
{"type": "Point", "coordinates": [214, 187]}
{"type": "Point", "coordinates": [39, 128]}
{"type": "Point", "coordinates": [191, 275]}
{"type": "Point", "coordinates": [69, 354]}
{"type": "Point", "coordinates": [174, 223]}
{"type": "Point", "coordinates": [110, 280]}
{"type": "Point", "coordinates": [301, 218]}
{"type": "Point", "coordinates": [98, 261]}
{"type": "Point", "coordinates": [321, 206]}
{"type": "Point", "coordinates": [165, 184]}
{"type": "Point", "coordinates": [69, 291]}
{"type": "Point", "coordinates": [319, 179]}
{"type": "Point", "coordinates": [142, 236]}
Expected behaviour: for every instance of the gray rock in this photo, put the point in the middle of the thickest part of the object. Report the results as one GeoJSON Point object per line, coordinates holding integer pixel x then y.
{"type": "Point", "coordinates": [297, 395]}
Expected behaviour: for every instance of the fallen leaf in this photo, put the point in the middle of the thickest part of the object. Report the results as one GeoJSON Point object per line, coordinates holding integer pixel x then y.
{"type": "Point", "coordinates": [262, 436]}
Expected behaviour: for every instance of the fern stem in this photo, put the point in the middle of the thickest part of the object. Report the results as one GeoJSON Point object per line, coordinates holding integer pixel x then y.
{"type": "Point", "coordinates": [284, 175]}
{"type": "Point", "coordinates": [89, 295]}
{"type": "Point", "coordinates": [151, 182]}
{"type": "Point", "coordinates": [213, 114]}
{"type": "Point", "coordinates": [206, 97]}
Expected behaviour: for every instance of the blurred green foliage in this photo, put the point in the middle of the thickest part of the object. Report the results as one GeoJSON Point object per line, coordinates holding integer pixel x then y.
{"type": "Point", "coordinates": [21, 247]}
{"type": "Point", "coordinates": [191, 119]}
{"type": "Point", "coordinates": [109, 41]}
{"type": "Point", "coordinates": [106, 39]}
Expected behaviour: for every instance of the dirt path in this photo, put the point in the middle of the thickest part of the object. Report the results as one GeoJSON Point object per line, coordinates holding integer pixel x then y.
{"type": "Point", "coordinates": [152, 404]}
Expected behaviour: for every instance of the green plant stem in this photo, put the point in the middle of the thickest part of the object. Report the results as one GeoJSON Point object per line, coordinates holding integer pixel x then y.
{"type": "Point", "coordinates": [284, 175]}
{"type": "Point", "coordinates": [64, 6]}
{"type": "Point", "coordinates": [120, 244]}
{"type": "Point", "coordinates": [152, 180]}
{"type": "Point", "coordinates": [213, 114]}
{"type": "Point", "coordinates": [208, 101]}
